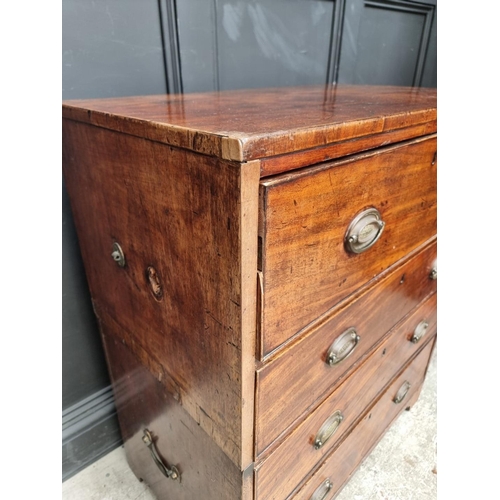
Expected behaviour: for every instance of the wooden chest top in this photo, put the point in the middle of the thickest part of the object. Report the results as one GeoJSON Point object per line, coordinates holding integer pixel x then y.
{"type": "Point", "coordinates": [245, 125]}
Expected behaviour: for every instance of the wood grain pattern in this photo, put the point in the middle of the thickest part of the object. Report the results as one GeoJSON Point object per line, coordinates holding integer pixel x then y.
{"type": "Point", "coordinates": [231, 215]}
{"type": "Point", "coordinates": [305, 215]}
{"type": "Point", "coordinates": [352, 397]}
{"type": "Point", "coordinates": [284, 163]}
{"type": "Point", "coordinates": [143, 403]}
{"type": "Point", "coordinates": [248, 124]}
{"type": "Point", "coordinates": [194, 220]}
{"type": "Point", "coordinates": [348, 455]}
{"type": "Point", "coordinates": [284, 394]}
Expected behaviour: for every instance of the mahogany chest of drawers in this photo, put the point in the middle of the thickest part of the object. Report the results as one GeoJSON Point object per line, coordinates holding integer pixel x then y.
{"type": "Point", "coordinates": [263, 267]}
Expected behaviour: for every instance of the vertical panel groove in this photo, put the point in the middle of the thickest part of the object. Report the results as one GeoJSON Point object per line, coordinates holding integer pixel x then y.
{"type": "Point", "coordinates": [413, 8]}
{"type": "Point", "coordinates": [424, 44]}
{"type": "Point", "coordinates": [216, 46]}
{"type": "Point", "coordinates": [335, 42]}
{"type": "Point", "coordinates": [171, 49]}
{"type": "Point", "coordinates": [163, 45]}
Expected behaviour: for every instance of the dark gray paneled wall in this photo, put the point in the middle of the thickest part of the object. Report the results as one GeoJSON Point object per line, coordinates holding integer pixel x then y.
{"type": "Point", "coordinates": [131, 47]}
{"type": "Point", "coordinates": [385, 42]}
{"type": "Point", "coordinates": [112, 48]}
{"type": "Point", "coordinates": [237, 44]}
{"type": "Point", "coordinates": [227, 44]}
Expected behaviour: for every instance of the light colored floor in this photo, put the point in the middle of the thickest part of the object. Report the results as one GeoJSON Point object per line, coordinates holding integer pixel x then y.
{"type": "Point", "coordinates": [401, 467]}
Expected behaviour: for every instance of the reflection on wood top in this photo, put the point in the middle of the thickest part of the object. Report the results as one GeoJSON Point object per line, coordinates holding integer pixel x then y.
{"type": "Point", "coordinates": [243, 125]}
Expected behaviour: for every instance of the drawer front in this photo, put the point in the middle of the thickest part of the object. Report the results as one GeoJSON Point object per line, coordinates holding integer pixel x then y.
{"type": "Point", "coordinates": [322, 430]}
{"type": "Point", "coordinates": [305, 216]}
{"type": "Point", "coordinates": [339, 466]}
{"type": "Point", "coordinates": [289, 386]}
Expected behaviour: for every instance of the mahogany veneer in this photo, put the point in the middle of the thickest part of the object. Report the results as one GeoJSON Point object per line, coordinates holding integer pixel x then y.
{"type": "Point", "coordinates": [262, 264]}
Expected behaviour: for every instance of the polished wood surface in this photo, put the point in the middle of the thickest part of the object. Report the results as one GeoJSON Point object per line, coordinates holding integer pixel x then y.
{"type": "Point", "coordinates": [231, 210]}
{"type": "Point", "coordinates": [291, 161]}
{"type": "Point", "coordinates": [352, 397]}
{"type": "Point", "coordinates": [304, 218]}
{"type": "Point", "coordinates": [196, 226]}
{"type": "Point", "coordinates": [249, 124]}
{"type": "Point", "coordinates": [349, 454]}
{"type": "Point", "coordinates": [294, 383]}
{"type": "Point", "coordinates": [143, 403]}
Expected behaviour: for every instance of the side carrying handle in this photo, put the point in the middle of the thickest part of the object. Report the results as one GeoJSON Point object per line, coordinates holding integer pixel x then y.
{"type": "Point", "coordinates": [172, 472]}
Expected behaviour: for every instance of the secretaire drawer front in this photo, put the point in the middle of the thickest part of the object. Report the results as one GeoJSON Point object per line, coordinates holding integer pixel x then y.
{"type": "Point", "coordinates": [291, 384]}
{"type": "Point", "coordinates": [327, 230]}
{"type": "Point", "coordinates": [319, 432]}
{"type": "Point", "coordinates": [347, 456]}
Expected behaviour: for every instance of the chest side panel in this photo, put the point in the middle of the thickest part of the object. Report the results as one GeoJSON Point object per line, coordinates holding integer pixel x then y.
{"type": "Point", "coordinates": [183, 224]}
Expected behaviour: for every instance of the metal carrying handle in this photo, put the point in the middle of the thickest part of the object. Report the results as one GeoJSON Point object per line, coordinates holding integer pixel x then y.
{"type": "Point", "coordinates": [364, 231]}
{"type": "Point", "coordinates": [328, 429]}
{"type": "Point", "coordinates": [343, 346]}
{"type": "Point", "coordinates": [322, 491]}
{"type": "Point", "coordinates": [172, 472]}
{"type": "Point", "coordinates": [402, 393]}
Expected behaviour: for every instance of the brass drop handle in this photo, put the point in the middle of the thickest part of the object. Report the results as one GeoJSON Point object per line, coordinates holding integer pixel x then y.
{"type": "Point", "coordinates": [364, 231]}
{"type": "Point", "coordinates": [420, 331]}
{"type": "Point", "coordinates": [343, 346]}
{"type": "Point", "coordinates": [322, 491]}
{"type": "Point", "coordinates": [328, 429]}
{"type": "Point", "coordinates": [402, 392]}
{"type": "Point", "coordinates": [172, 472]}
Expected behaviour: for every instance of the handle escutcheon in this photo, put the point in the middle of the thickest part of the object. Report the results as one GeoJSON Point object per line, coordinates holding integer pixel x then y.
{"type": "Point", "coordinates": [402, 393]}
{"type": "Point", "coordinates": [343, 346]}
{"type": "Point", "coordinates": [322, 491]}
{"type": "Point", "coordinates": [420, 331]}
{"type": "Point", "coordinates": [364, 231]}
{"type": "Point", "coordinates": [117, 254]}
{"type": "Point", "coordinates": [171, 472]}
{"type": "Point", "coordinates": [328, 429]}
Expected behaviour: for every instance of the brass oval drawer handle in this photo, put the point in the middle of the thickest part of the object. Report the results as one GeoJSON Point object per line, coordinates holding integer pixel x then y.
{"type": "Point", "coordinates": [364, 231]}
{"type": "Point", "coordinates": [171, 472]}
{"type": "Point", "coordinates": [402, 393]}
{"type": "Point", "coordinates": [328, 429]}
{"type": "Point", "coordinates": [420, 331]}
{"type": "Point", "coordinates": [322, 491]}
{"type": "Point", "coordinates": [343, 346]}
